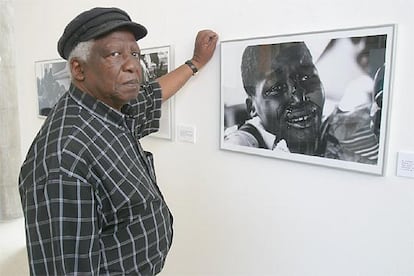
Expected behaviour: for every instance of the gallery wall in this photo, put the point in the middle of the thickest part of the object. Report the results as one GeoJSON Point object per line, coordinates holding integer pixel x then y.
{"type": "Point", "coordinates": [240, 214]}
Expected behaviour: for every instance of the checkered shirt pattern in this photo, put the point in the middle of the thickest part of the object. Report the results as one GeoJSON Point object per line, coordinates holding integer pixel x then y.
{"type": "Point", "coordinates": [89, 193]}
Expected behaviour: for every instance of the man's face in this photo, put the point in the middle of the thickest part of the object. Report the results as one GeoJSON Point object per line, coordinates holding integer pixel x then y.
{"type": "Point", "coordinates": [113, 71]}
{"type": "Point", "coordinates": [289, 97]}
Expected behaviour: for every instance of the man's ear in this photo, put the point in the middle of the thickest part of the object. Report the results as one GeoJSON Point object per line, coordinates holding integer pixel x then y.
{"type": "Point", "coordinates": [77, 68]}
{"type": "Point", "coordinates": [251, 110]}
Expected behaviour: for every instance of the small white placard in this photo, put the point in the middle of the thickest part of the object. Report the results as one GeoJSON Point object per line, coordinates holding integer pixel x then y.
{"type": "Point", "coordinates": [405, 166]}
{"type": "Point", "coordinates": [186, 133]}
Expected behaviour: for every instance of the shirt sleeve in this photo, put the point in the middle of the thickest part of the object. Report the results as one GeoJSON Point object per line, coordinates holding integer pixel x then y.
{"type": "Point", "coordinates": [148, 109]}
{"type": "Point", "coordinates": [62, 227]}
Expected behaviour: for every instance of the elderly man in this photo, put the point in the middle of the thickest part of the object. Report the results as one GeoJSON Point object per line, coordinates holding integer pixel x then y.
{"type": "Point", "coordinates": [88, 189]}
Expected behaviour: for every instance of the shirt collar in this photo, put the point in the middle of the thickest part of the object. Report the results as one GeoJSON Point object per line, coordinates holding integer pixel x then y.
{"type": "Point", "coordinates": [268, 137]}
{"type": "Point", "coordinates": [96, 107]}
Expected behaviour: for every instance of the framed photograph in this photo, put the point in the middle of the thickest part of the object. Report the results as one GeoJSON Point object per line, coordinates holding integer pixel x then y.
{"type": "Point", "coordinates": [53, 81]}
{"type": "Point", "coordinates": [320, 98]}
{"type": "Point", "coordinates": [157, 62]}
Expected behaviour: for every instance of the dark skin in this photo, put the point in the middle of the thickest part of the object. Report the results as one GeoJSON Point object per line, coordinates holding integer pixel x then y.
{"type": "Point", "coordinates": [113, 71]}
{"type": "Point", "coordinates": [288, 97]}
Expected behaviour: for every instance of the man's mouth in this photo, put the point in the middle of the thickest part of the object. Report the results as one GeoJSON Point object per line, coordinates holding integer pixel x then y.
{"type": "Point", "coordinates": [132, 82]}
{"type": "Point", "coordinates": [302, 115]}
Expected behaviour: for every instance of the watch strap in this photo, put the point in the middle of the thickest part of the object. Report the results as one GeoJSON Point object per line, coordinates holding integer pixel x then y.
{"type": "Point", "coordinates": [192, 66]}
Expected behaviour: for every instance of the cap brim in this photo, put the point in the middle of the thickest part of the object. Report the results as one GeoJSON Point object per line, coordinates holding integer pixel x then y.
{"type": "Point", "coordinates": [138, 30]}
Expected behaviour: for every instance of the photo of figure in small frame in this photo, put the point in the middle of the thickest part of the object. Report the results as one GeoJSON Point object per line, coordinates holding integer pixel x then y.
{"type": "Point", "coordinates": [316, 98]}
{"type": "Point", "coordinates": [155, 63]}
{"type": "Point", "coordinates": [53, 80]}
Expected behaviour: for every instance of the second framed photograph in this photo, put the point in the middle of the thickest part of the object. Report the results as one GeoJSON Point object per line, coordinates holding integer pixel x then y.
{"type": "Point", "coordinates": [53, 81]}
{"type": "Point", "coordinates": [321, 98]}
{"type": "Point", "coordinates": [157, 62]}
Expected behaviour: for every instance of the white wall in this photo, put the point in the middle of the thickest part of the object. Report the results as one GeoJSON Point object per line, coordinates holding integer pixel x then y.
{"type": "Point", "coordinates": [238, 214]}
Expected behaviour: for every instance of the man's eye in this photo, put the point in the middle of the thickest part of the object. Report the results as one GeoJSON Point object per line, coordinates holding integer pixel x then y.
{"type": "Point", "coordinates": [304, 77]}
{"type": "Point", "coordinates": [276, 89]}
{"type": "Point", "coordinates": [136, 55]}
{"type": "Point", "coordinates": [115, 54]}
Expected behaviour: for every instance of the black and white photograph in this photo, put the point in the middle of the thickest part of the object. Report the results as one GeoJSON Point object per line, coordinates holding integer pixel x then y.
{"type": "Point", "coordinates": [320, 98]}
{"type": "Point", "coordinates": [53, 81]}
{"type": "Point", "coordinates": [156, 62]}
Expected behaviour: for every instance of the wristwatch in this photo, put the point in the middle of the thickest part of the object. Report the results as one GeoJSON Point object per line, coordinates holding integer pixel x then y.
{"type": "Point", "coordinates": [192, 66]}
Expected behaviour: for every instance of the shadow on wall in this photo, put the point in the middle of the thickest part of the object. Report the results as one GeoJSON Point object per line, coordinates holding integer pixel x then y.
{"type": "Point", "coordinates": [16, 264]}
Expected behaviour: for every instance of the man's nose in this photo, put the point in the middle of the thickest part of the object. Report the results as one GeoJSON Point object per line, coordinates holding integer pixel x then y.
{"type": "Point", "coordinates": [132, 64]}
{"type": "Point", "coordinates": [297, 93]}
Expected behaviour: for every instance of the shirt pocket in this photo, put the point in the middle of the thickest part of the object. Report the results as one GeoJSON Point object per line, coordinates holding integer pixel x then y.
{"type": "Point", "coordinates": [151, 170]}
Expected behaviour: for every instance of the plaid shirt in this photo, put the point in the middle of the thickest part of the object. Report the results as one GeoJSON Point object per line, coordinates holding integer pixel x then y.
{"type": "Point", "coordinates": [89, 193]}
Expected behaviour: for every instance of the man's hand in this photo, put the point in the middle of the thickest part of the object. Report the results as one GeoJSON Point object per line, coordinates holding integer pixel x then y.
{"type": "Point", "coordinates": [205, 45]}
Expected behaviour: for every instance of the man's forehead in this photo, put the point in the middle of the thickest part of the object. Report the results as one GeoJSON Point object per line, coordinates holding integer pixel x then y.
{"type": "Point", "coordinates": [277, 56]}
{"type": "Point", "coordinates": [296, 53]}
{"type": "Point", "coordinates": [118, 37]}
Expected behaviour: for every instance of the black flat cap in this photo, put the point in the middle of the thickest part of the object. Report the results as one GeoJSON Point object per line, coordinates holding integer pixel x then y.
{"type": "Point", "coordinates": [94, 23]}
